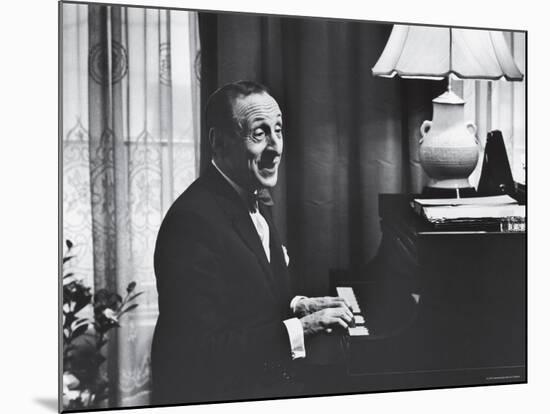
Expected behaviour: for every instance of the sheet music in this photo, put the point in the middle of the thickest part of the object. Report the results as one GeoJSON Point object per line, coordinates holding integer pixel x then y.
{"type": "Point", "coordinates": [441, 213]}
{"type": "Point", "coordinates": [478, 201]}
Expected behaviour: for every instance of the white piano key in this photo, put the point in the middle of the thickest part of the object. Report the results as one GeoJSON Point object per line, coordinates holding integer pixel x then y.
{"type": "Point", "coordinates": [345, 292]}
{"type": "Point", "coordinates": [348, 294]}
{"type": "Point", "coordinates": [358, 331]}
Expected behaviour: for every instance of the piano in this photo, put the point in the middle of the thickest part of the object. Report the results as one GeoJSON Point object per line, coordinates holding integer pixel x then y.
{"type": "Point", "coordinates": [433, 309]}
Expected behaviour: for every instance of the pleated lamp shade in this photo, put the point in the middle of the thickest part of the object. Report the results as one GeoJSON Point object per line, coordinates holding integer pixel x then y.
{"type": "Point", "coordinates": [436, 52]}
{"type": "Point", "coordinates": [448, 147]}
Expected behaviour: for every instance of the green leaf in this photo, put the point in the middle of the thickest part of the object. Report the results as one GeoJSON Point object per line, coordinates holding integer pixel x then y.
{"type": "Point", "coordinates": [128, 309]}
{"type": "Point", "coordinates": [79, 331]}
{"type": "Point", "coordinates": [80, 322]}
{"type": "Point", "coordinates": [83, 299]}
{"type": "Point", "coordinates": [131, 287]}
{"type": "Point", "coordinates": [69, 318]}
{"type": "Point", "coordinates": [135, 296]}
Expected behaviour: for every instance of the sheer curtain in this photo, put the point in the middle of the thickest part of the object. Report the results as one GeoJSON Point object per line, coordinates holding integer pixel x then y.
{"type": "Point", "coordinates": [500, 105]}
{"type": "Point", "coordinates": [130, 140]}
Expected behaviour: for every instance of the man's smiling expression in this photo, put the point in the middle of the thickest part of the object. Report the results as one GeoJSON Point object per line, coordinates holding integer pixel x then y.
{"type": "Point", "coordinates": [253, 158]}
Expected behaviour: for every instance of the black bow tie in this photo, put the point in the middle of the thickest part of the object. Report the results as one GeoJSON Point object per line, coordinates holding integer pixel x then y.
{"type": "Point", "coordinates": [260, 196]}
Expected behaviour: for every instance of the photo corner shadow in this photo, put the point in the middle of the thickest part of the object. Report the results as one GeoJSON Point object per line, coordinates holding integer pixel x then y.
{"type": "Point", "coordinates": [52, 404]}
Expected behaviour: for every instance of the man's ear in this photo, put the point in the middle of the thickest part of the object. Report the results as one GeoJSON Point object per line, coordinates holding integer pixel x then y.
{"type": "Point", "coordinates": [215, 139]}
{"type": "Point", "coordinates": [211, 138]}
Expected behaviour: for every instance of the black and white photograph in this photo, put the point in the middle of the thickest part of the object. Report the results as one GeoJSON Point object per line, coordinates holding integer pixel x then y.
{"type": "Point", "coordinates": [263, 206]}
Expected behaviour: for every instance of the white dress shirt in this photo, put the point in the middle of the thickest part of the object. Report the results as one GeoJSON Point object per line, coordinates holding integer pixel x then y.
{"type": "Point", "coordinates": [293, 325]}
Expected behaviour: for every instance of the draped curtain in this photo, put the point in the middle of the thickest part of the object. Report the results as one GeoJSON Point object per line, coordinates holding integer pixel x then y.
{"type": "Point", "coordinates": [130, 146]}
{"type": "Point", "coordinates": [347, 135]}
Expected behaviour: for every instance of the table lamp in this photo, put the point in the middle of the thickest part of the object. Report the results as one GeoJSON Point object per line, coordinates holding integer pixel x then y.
{"type": "Point", "coordinates": [449, 147]}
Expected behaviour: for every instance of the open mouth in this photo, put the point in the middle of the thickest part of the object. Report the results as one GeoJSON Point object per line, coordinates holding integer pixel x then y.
{"type": "Point", "coordinates": [268, 160]}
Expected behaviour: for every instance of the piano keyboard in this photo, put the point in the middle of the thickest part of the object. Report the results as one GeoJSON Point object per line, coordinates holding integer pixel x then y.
{"type": "Point", "coordinates": [360, 328]}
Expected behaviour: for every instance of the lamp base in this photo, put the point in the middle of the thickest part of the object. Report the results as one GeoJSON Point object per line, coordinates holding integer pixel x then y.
{"type": "Point", "coordinates": [448, 183]}
{"type": "Point", "coordinates": [448, 148]}
{"type": "Point", "coordinates": [435, 192]}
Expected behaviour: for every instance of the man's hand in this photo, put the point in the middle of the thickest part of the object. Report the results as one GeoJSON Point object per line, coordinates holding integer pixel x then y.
{"type": "Point", "coordinates": [306, 306]}
{"type": "Point", "coordinates": [326, 319]}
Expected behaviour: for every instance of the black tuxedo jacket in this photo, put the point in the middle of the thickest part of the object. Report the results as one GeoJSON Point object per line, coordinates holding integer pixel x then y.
{"type": "Point", "coordinates": [220, 332]}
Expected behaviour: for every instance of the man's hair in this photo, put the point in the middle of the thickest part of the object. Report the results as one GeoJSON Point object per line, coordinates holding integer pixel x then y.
{"type": "Point", "coordinates": [219, 108]}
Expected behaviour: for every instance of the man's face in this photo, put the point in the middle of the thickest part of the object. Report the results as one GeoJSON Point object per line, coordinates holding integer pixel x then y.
{"type": "Point", "coordinates": [253, 158]}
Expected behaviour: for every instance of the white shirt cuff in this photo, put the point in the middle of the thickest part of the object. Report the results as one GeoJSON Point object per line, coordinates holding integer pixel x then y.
{"type": "Point", "coordinates": [296, 336]}
{"type": "Point", "coordinates": [295, 301]}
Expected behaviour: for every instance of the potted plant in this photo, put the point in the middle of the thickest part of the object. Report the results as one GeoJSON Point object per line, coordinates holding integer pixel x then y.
{"type": "Point", "coordinates": [85, 383]}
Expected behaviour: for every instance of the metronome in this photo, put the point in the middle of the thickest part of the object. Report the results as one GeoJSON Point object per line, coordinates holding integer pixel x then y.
{"type": "Point", "coordinates": [496, 175]}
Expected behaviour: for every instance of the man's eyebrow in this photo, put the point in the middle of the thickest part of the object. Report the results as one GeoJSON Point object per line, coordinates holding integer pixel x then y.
{"type": "Point", "coordinates": [263, 118]}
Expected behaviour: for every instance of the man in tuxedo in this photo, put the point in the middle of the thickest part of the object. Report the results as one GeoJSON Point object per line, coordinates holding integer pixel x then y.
{"type": "Point", "coordinates": [229, 326]}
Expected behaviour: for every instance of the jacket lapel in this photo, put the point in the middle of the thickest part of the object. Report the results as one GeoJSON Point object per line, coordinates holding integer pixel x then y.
{"type": "Point", "coordinates": [237, 213]}
{"type": "Point", "coordinates": [246, 230]}
{"type": "Point", "coordinates": [278, 264]}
